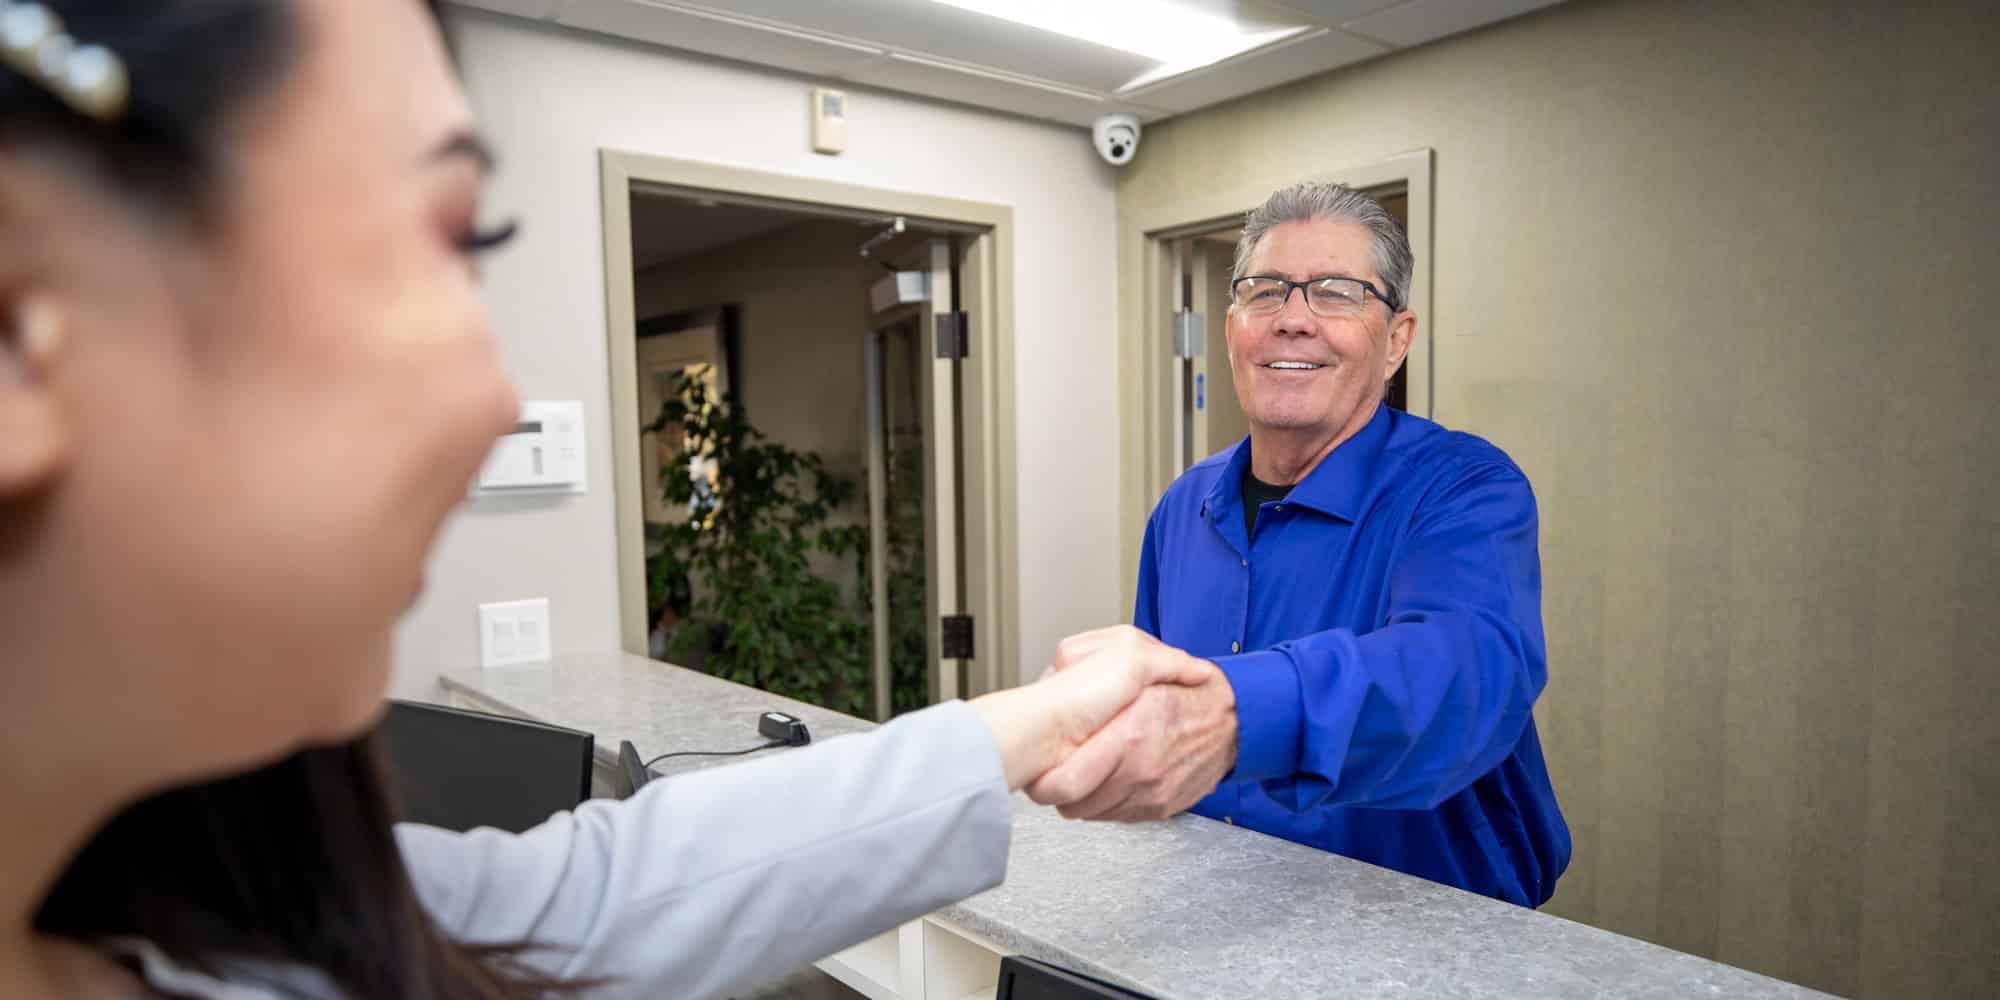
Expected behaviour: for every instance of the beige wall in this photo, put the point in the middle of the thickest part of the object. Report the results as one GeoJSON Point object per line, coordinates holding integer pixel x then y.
{"type": "Point", "coordinates": [551, 99]}
{"type": "Point", "coordinates": [804, 293]}
{"type": "Point", "coordinates": [1721, 277]}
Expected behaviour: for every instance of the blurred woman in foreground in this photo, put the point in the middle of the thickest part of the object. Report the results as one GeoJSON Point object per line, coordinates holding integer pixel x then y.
{"type": "Point", "coordinates": [236, 252]}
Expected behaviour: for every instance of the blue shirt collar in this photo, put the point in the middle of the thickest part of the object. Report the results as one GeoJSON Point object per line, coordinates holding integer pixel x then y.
{"type": "Point", "coordinates": [1336, 487]}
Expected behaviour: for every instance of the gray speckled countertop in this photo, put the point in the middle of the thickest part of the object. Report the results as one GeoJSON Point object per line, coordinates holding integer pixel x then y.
{"type": "Point", "coordinates": [1190, 908]}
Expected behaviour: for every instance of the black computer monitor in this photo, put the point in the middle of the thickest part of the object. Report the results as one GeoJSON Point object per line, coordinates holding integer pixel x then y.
{"type": "Point", "coordinates": [460, 769]}
{"type": "Point", "coordinates": [1027, 979]}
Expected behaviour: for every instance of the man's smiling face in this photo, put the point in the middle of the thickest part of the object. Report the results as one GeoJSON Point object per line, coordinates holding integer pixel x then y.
{"type": "Point", "coordinates": [1299, 372]}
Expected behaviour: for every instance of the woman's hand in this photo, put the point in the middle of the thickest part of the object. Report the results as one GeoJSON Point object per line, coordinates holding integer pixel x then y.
{"type": "Point", "coordinates": [1093, 678]}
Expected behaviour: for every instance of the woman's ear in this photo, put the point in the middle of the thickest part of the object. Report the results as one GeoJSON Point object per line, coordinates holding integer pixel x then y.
{"type": "Point", "coordinates": [34, 437]}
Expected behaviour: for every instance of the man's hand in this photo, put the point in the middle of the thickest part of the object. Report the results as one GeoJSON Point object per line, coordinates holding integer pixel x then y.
{"type": "Point", "coordinates": [1039, 726]}
{"type": "Point", "coordinates": [1162, 753]}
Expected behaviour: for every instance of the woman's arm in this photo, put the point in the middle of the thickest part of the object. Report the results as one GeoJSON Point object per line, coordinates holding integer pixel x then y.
{"type": "Point", "coordinates": [725, 876]}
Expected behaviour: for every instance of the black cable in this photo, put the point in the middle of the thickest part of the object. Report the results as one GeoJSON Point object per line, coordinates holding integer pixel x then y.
{"type": "Point", "coordinates": [714, 753]}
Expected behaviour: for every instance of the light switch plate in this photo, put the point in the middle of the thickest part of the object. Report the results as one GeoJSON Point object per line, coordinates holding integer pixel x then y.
{"type": "Point", "coordinates": [513, 632]}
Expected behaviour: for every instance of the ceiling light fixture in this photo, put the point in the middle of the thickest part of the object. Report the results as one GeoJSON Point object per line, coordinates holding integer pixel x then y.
{"type": "Point", "coordinates": [1177, 37]}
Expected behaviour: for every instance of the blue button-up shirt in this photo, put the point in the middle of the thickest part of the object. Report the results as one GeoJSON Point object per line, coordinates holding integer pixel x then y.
{"type": "Point", "coordinates": [1383, 634]}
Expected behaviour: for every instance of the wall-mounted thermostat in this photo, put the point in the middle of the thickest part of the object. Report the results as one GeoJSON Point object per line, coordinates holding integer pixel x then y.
{"type": "Point", "coordinates": [543, 454]}
{"type": "Point", "coordinates": [829, 118]}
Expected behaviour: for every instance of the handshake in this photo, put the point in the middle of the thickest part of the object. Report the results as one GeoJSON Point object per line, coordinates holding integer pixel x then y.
{"type": "Point", "coordinates": [1120, 727]}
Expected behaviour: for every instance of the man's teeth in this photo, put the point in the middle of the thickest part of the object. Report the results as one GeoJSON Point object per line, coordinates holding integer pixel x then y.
{"type": "Point", "coordinates": [1303, 366]}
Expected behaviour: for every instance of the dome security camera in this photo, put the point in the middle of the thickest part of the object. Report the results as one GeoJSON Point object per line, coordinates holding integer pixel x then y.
{"type": "Point", "coordinates": [1116, 137]}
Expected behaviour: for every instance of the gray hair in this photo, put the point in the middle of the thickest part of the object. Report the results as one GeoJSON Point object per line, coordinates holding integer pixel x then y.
{"type": "Point", "coordinates": [1317, 202]}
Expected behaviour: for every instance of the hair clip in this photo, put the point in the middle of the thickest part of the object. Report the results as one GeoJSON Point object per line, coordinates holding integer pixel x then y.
{"type": "Point", "coordinates": [89, 78]}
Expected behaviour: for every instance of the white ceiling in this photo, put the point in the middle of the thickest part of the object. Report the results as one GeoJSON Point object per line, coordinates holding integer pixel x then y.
{"type": "Point", "coordinates": [944, 52]}
{"type": "Point", "coordinates": [667, 228]}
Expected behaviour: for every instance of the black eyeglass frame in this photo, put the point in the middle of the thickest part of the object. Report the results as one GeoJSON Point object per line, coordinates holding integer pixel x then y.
{"type": "Point", "coordinates": [1367, 288]}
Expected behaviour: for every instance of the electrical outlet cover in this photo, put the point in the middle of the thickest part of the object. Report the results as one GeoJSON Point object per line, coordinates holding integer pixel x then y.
{"type": "Point", "coordinates": [512, 632]}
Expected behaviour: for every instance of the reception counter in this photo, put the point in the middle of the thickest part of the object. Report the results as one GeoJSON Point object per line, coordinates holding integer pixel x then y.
{"type": "Point", "coordinates": [1189, 908]}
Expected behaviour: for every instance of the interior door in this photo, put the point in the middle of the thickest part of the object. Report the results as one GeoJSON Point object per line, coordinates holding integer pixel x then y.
{"type": "Point", "coordinates": [1396, 201]}
{"type": "Point", "coordinates": [1226, 422]}
{"type": "Point", "coordinates": [945, 338]}
{"type": "Point", "coordinates": [1190, 354]}
{"type": "Point", "coordinates": [914, 359]}
{"type": "Point", "coordinates": [898, 554]}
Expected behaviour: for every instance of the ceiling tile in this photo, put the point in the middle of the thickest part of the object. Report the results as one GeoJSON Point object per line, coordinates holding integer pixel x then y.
{"type": "Point", "coordinates": [533, 9]}
{"type": "Point", "coordinates": [951, 34]}
{"type": "Point", "coordinates": [936, 50]}
{"type": "Point", "coordinates": [1265, 68]}
{"type": "Point", "coordinates": [1421, 21]}
{"type": "Point", "coordinates": [972, 85]}
{"type": "Point", "coordinates": [684, 27]}
{"type": "Point", "coordinates": [1327, 12]}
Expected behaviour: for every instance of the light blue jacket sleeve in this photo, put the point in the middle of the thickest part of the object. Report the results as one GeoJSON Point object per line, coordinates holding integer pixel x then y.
{"type": "Point", "coordinates": [720, 878]}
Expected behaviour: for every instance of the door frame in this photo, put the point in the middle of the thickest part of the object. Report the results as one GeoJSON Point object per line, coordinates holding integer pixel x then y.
{"type": "Point", "coordinates": [1147, 300]}
{"type": "Point", "coordinates": [991, 552]}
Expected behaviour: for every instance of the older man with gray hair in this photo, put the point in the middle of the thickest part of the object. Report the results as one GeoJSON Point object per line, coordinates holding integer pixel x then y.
{"type": "Point", "coordinates": [1361, 585]}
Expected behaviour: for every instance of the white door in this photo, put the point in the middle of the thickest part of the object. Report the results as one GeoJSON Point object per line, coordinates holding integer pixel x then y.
{"type": "Point", "coordinates": [1190, 357]}
{"type": "Point", "coordinates": [914, 360]}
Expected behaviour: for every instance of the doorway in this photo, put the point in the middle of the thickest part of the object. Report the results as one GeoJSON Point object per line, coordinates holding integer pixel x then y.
{"type": "Point", "coordinates": [765, 291]}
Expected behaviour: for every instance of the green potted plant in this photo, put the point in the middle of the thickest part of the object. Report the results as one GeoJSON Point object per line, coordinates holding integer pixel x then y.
{"type": "Point", "coordinates": [735, 576]}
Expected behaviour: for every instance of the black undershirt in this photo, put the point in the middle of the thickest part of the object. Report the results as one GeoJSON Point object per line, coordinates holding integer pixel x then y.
{"type": "Point", "coordinates": [1256, 493]}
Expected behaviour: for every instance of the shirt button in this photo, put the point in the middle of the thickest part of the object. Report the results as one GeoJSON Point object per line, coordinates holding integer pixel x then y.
{"type": "Point", "coordinates": [1236, 647]}
{"type": "Point", "coordinates": [1246, 564]}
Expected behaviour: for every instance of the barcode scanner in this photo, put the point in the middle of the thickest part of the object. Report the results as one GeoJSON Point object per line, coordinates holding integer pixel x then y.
{"type": "Point", "coordinates": [786, 729]}
{"type": "Point", "coordinates": [777, 728]}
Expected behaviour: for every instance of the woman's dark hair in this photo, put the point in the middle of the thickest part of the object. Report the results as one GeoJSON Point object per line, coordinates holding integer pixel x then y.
{"type": "Point", "coordinates": [295, 862]}
{"type": "Point", "coordinates": [194, 67]}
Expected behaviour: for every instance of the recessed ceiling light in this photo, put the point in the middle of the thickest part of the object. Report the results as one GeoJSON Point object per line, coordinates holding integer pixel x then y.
{"type": "Point", "coordinates": [1177, 37]}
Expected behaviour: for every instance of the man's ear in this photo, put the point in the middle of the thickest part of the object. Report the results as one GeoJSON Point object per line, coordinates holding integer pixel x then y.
{"type": "Point", "coordinates": [34, 436]}
{"type": "Point", "coordinates": [1402, 332]}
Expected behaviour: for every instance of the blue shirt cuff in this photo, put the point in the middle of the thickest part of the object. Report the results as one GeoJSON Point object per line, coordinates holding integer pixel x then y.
{"type": "Point", "coordinates": [1268, 714]}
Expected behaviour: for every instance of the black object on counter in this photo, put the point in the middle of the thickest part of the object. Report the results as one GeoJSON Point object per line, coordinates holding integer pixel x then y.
{"type": "Point", "coordinates": [1027, 979]}
{"type": "Point", "coordinates": [632, 772]}
{"type": "Point", "coordinates": [460, 769]}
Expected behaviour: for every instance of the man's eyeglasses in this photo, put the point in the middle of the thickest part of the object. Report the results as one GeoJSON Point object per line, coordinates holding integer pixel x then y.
{"type": "Point", "coordinates": [1328, 298]}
